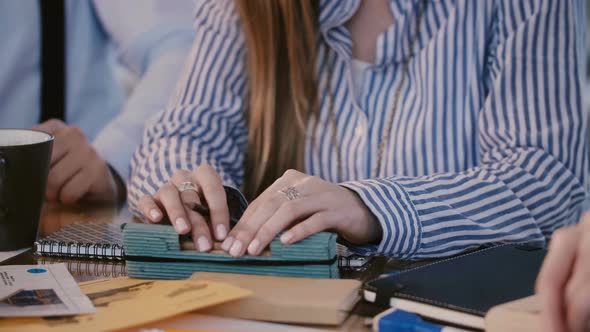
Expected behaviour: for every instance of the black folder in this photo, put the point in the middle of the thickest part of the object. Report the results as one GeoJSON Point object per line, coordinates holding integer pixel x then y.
{"type": "Point", "coordinates": [460, 290]}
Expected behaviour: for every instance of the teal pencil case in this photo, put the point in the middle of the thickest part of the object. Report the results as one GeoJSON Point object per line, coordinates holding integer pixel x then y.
{"type": "Point", "coordinates": [158, 252]}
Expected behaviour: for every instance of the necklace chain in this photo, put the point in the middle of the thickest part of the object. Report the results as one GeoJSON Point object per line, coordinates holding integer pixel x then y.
{"type": "Point", "coordinates": [396, 97]}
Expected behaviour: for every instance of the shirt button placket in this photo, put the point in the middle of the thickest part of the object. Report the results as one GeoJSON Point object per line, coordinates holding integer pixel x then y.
{"type": "Point", "coordinates": [359, 131]}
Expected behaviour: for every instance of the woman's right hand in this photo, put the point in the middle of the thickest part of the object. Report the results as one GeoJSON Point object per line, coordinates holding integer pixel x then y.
{"type": "Point", "coordinates": [176, 205]}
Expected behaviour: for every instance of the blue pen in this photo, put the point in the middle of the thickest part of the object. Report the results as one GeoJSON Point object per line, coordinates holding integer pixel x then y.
{"type": "Point", "coordinates": [402, 321]}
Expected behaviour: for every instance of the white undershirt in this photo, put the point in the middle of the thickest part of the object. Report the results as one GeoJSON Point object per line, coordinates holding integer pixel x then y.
{"type": "Point", "coordinates": [357, 72]}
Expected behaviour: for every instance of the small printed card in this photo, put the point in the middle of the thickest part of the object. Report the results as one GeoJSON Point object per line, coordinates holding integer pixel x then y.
{"type": "Point", "coordinates": [41, 291]}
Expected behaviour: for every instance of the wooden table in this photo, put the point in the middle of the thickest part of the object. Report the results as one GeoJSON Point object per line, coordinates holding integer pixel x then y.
{"type": "Point", "coordinates": [54, 217]}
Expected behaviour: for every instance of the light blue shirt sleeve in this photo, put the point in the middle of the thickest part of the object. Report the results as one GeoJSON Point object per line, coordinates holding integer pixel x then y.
{"type": "Point", "coordinates": [152, 38]}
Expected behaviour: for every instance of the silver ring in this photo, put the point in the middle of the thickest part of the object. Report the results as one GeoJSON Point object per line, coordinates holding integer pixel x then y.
{"type": "Point", "coordinates": [184, 186]}
{"type": "Point", "coordinates": [290, 192]}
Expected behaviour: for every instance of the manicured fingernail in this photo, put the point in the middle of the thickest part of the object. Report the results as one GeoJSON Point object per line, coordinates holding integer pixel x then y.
{"type": "Point", "coordinates": [236, 249]}
{"type": "Point", "coordinates": [253, 247]}
{"type": "Point", "coordinates": [286, 238]}
{"type": "Point", "coordinates": [154, 214]}
{"type": "Point", "coordinates": [181, 225]}
{"type": "Point", "coordinates": [204, 244]}
{"type": "Point", "coordinates": [227, 243]}
{"type": "Point", "coordinates": [221, 232]}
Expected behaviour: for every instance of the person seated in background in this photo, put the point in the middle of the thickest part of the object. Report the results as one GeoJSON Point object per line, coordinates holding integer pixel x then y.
{"type": "Point", "coordinates": [563, 284]}
{"type": "Point", "coordinates": [413, 129]}
{"type": "Point", "coordinates": [102, 127]}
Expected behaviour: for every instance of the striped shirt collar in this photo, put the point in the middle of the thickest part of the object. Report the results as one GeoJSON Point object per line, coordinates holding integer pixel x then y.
{"type": "Point", "coordinates": [392, 46]}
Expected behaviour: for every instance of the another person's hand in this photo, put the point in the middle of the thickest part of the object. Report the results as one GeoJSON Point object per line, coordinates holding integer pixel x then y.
{"type": "Point", "coordinates": [563, 285]}
{"type": "Point", "coordinates": [302, 205]}
{"type": "Point", "coordinates": [77, 172]}
{"type": "Point", "coordinates": [178, 206]}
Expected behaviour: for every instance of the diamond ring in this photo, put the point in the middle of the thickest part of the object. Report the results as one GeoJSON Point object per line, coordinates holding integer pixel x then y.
{"type": "Point", "coordinates": [184, 186]}
{"type": "Point", "coordinates": [290, 192]}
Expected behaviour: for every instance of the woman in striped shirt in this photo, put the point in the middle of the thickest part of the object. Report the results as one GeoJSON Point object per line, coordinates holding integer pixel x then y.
{"type": "Point", "coordinates": [419, 128]}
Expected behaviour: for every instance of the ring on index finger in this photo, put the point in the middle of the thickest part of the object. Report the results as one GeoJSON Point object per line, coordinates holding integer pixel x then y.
{"type": "Point", "coordinates": [290, 192]}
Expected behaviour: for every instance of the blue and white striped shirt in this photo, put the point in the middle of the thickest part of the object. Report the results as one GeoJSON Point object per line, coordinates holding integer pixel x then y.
{"type": "Point", "coordinates": [487, 143]}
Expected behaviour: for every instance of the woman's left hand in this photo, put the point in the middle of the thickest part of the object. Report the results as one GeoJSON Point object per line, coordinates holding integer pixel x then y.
{"type": "Point", "coordinates": [563, 285]}
{"type": "Point", "coordinates": [305, 205]}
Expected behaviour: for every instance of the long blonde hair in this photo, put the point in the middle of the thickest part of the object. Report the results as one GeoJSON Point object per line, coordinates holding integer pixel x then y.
{"type": "Point", "coordinates": [281, 37]}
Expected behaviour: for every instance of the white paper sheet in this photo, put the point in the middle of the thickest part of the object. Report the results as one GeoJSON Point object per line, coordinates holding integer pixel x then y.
{"type": "Point", "coordinates": [40, 291]}
{"type": "Point", "coordinates": [4, 255]}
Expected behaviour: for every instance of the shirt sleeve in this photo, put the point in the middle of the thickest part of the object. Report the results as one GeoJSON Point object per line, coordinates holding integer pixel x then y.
{"type": "Point", "coordinates": [204, 121]}
{"type": "Point", "coordinates": [152, 38]}
{"type": "Point", "coordinates": [531, 135]}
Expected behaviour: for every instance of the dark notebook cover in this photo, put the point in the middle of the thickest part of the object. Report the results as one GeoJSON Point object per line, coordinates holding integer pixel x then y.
{"type": "Point", "coordinates": [471, 283]}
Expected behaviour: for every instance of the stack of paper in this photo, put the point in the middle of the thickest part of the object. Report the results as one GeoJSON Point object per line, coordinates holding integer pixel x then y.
{"type": "Point", "coordinates": [154, 252]}
{"type": "Point", "coordinates": [287, 300]}
{"type": "Point", "coordinates": [122, 303]}
{"type": "Point", "coordinates": [521, 315]}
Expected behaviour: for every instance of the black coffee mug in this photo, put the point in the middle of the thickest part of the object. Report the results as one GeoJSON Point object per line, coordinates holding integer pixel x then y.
{"type": "Point", "coordinates": [24, 164]}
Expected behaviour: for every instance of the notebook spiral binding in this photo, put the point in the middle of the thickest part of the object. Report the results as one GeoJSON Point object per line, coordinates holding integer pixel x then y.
{"type": "Point", "coordinates": [89, 268]}
{"type": "Point", "coordinates": [80, 250]}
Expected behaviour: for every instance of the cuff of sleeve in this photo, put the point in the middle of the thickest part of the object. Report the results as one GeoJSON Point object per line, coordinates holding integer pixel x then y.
{"type": "Point", "coordinates": [399, 220]}
{"type": "Point", "coordinates": [116, 149]}
{"type": "Point", "coordinates": [120, 185]}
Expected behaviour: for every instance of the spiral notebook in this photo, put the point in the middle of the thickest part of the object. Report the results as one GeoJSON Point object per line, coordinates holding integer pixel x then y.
{"type": "Point", "coordinates": [97, 241]}
{"type": "Point", "coordinates": [88, 269]}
